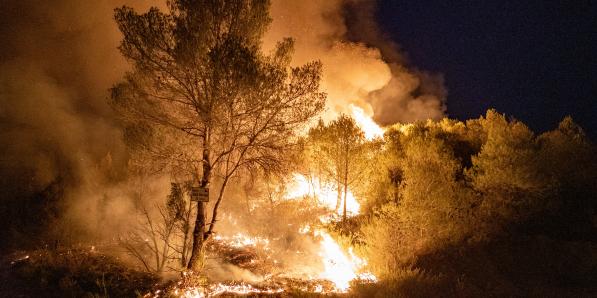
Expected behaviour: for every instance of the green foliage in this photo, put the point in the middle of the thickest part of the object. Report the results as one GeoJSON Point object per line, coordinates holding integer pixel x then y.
{"type": "Point", "coordinates": [448, 189]}
{"type": "Point", "coordinates": [433, 208]}
{"type": "Point", "coordinates": [568, 157]}
{"type": "Point", "coordinates": [508, 159]}
{"type": "Point", "coordinates": [431, 195]}
{"type": "Point", "coordinates": [386, 244]}
{"type": "Point", "coordinates": [509, 174]}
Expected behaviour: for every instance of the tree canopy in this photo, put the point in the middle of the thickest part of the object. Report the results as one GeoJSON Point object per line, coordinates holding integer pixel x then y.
{"type": "Point", "coordinates": [200, 80]}
{"type": "Point", "coordinates": [340, 151]}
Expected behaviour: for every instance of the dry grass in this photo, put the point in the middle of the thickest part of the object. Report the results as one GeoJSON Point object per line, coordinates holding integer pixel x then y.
{"type": "Point", "coordinates": [70, 273]}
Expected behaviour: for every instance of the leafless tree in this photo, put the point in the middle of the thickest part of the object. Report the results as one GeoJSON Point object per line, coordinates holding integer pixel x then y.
{"type": "Point", "coordinates": [181, 208]}
{"type": "Point", "coordinates": [150, 242]}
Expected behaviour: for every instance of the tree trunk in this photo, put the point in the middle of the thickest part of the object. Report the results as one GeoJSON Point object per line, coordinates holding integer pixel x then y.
{"type": "Point", "coordinates": [339, 198]}
{"type": "Point", "coordinates": [186, 230]}
{"type": "Point", "coordinates": [196, 259]}
{"type": "Point", "coordinates": [345, 192]}
{"type": "Point", "coordinates": [345, 184]}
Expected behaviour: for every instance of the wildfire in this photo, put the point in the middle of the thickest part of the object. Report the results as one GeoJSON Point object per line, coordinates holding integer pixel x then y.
{"type": "Point", "coordinates": [221, 289]}
{"type": "Point", "coordinates": [301, 187]}
{"type": "Point", "coordinates": [340, 268]}
{"type": "Point", "coordinates": [240, 240]}
{"type": "Point", "coordinates": [241, 289]}
{"type": "Point", "coordinates": [366, 123]}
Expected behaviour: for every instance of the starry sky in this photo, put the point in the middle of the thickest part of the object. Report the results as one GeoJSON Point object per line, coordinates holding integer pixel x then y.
{"type": "Point", "coordinates": [535, 61]}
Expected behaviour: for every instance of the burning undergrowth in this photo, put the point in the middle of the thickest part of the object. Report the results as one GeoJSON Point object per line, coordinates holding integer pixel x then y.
{"type": "Point", "coordinates": [282, 249]}
{"type": "Point", "coordinates": [242, 266]}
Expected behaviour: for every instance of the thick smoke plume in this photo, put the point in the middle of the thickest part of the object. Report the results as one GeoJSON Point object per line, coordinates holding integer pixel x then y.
{"type": "Point", "coordinates": [59, 58]}
{"type": "Point", "coordinates": [57, 61]}
{"type": "Point", "coordinates": [361, 67]}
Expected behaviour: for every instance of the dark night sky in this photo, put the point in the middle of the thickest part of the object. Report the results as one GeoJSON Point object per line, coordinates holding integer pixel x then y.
{"type": "Point", "coordinates": [533, 60]}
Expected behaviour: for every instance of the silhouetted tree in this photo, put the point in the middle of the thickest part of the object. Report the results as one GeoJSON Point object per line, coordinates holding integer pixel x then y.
{"type": "Point", "coordinates": [568, 158]}
{"type": "Point", "coordinates": [507, 173]}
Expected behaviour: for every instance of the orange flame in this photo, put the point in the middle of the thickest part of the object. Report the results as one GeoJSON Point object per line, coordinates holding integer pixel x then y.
{"type": "Point", "coordinates": [301, 187]}
{"type": "Point", "coordinates": [366, 123]}
{"type": "Point", "coordinates": [340, 268]}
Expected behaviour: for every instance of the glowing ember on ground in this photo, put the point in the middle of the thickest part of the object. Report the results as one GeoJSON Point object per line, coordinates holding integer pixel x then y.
{"type": "Point", "coordinates": [187, 288]}
{"type": "Point", "coordinates": [241, 240]}
{"type": "Point", "coordinates": [366, 123]}
{"type": "Point", "coordinates": [20, 260]}
{"type": "Point", "coordinates": [328, 197]}
{"type": "Point", "coordinates": [338, 268]}
{"type": "Point", "coordinates": [221, 289]}
{"type": "Point", "coordinates": [241, 289]}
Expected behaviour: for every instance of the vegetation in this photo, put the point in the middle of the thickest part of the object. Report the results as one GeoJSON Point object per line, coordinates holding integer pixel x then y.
{"type": "Point", "coordinates": [203, 101]}
{"type": "Point", "coordinates": [80, 272]}
{"type": "Point", "coordinates": [484, 206]}
{"type": "Point", "coordinates": [339, 153]}
{"type": "Point", "coordinates": [478, 208]}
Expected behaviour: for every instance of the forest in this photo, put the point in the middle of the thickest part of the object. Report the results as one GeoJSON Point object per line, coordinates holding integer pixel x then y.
{"type": "Point", "coordinates": [242, 175]}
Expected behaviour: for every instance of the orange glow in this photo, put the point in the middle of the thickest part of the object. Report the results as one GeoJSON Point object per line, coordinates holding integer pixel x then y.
{"type": "Point", "coordinates": [301, 187]}
{"type": "Point", "coordinates": [240, 240]}
{"type": "Point", "coordinates": [340, 268]}
{"type": "Point", "coordinates": [366, 123]}
{"type": "Point", "coordinates": [406, 128]}
{"type": "Point", "coordinates": [220, 289]}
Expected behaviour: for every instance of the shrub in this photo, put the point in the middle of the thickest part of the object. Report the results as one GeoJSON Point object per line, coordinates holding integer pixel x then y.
{"type": "Point", "coordinates": [72, 273]}
{"type": "Point", "coordinates": [406, 283]}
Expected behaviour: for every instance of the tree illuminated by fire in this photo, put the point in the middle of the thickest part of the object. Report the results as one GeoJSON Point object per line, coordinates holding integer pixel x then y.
{"type": "Point", "coordinates": [203, 98]}
{"type": "Point", "coordinates": [339, 151]}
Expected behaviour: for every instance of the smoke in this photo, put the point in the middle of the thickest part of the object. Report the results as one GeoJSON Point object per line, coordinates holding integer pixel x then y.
{"type": "Point", "coordinates": [57, 61]}
{"type": "Point", "coordinates": [361, 66]}
{"type": "Point", "coordinates": [59, 58]}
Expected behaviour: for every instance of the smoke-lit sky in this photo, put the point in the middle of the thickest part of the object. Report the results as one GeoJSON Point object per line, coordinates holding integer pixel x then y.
{"type": "Point", "coordinates": [59, 58]}
{"type": "Point", "coordinates": [534, 60]}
